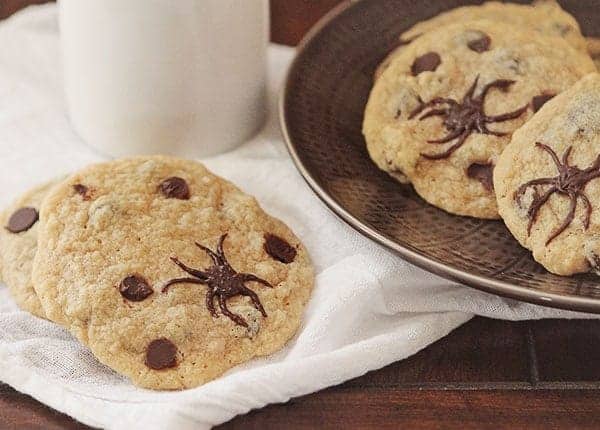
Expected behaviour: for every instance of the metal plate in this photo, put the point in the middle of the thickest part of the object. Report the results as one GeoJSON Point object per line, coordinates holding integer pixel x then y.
{"type": "Point", "coordinates": [321, 116]}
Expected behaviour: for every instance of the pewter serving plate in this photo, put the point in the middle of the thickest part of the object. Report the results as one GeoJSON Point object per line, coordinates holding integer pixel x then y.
{"type": "Point", "coordinates": [321, 117]}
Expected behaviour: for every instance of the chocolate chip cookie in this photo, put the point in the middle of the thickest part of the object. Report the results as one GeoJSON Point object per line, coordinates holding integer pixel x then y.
{"type": "Point", "coordinates": [444, 110]}
{"type": "Point", "coordinates": [18, 244]}
{"type": "Point", "coordinates": [170, 274]}
{"type": "Point", "coordinates": [544, 17]}
{"type": "Point", "coordinates": [548, 181]}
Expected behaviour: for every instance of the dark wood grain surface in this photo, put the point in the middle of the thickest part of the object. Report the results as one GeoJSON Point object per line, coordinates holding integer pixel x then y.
{"type": "Point", "coordinates": [486, 374]}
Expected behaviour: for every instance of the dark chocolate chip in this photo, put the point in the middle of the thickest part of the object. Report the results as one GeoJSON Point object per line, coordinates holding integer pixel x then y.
{"type": "Point", "coordinates": [279, 248]}
{"type": "Point", "coordinates": [426, 63]}
{"type": "Point", "coordinates": [22, 220]}
{"type": "Point", "coordinates": [480, 45]}
{"type": "Point", "coordinates": [398, 114]}
{"type": "Point", "coordinates": [483, 173]}
{"type": "Point", "coordinates": [538, 101]}
{"type": "Point", "coordinates": [82, 190]}
{"type": "Point", "coordinates": [161, 354]}
{"type": "Point", "coordinates": [135, 288]}
{"type": "Point", "coordinates": [175, 188]}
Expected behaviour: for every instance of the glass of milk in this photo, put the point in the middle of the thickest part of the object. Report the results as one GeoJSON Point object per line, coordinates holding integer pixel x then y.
{"type": "Point", "coordinates": [179, 77]}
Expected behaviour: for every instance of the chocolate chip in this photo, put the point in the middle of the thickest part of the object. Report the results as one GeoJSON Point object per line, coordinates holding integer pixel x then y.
{"type": "Point", "coordinates": [482, 173]}
{"type": "Point", "coordinates": [426, 63]}
{"type": "Point", "coordinates": [161, 354]}
{"type": "Point", "coordinates": [175, 188]}
{"type": "Point", "coordinates": [279, 248]}
{"type": "Point", "coordinates": [480, 45]}
{"type": "Point", "coordinates": [538, 101]}
{"type": "Point", "coordinates": [398, 114]}
{"type": "Point", "coordinates": [22, 220]}
{"type": "Point", "coordinates": [82, 190]}
{"type": "Point", "coordinates": [135, 288]}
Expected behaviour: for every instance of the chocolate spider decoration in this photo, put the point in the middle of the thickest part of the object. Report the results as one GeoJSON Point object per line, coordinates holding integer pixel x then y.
{"type": "Point", "coordinates": [223, 282]}
{"type": "Point", "coordinates": [570, 182]}
{"type": "Point", "coordinates": [465, 117]}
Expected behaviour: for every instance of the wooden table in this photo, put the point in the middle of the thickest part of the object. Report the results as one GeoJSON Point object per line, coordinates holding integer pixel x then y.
{"type": "Point", "coordinates": [486, 374]}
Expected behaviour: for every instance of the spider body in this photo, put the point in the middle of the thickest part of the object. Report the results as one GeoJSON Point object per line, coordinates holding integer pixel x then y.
{"type": "Point", "coordinates": [570, 182]}
{"type": "Point", "coordinates": [465, 117]}
{"type": "Point", "coordinates": [223, 282]}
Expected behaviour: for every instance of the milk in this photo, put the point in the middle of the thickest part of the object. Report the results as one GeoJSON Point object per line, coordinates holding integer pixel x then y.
{"type": "Point", "coordinates": [181, 77]}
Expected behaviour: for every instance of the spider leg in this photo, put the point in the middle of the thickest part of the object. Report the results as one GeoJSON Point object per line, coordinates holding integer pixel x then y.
{"type": "Point", "coordinates": [210, 305]}
{"type": "Point", "coordinates": [214, 257]}
{"type": "Point", "coordinates": [501, 84]}
{"type": "Point", "coordinates": [416, 111]}
{"type": "Point", "coordinates": [220, 251]}
{"type": "Point", "coordinates": [442, 100]}
{"type": "Point", "coordinates": [450, 150]}
{"type": "Point", "coordinates": [541, 181]}
{"type": "Point", "coordinates": [197, 273]}
{"type": "Point", "coordinates": [485, 130]}
{"type": "Point", "coordinates": [592, 176]}
{"type": "Point", "coordinates": [507, 116]}
{"type": "Point", "coordinates": [588, 210]}
{"type": "Point", "coordinates": [234, 317]}
{"type": "Point", "coordinates": [248, 277]}
{"type": "Point", "coordinates": [451, 136]}
{"type": "Point", "coordinates": [182, 281]}
{"type": "Point", "coordinates": [567, 220]}
{"type": "Point", "coordinates": [471, 90]}
{"type": "Point", "coordinates": [433, 102]}
{"type": "Point", "coordinates": [433, 112]}
{"type": "Point", "coordinates": [536, 205]}
{"type": "Point", "coordinates": [255, 300]}
{"type": "Point", "coordinates": [551, 152]}
{"type": "Point", "coordinates": [595, 166]}
{"type": "Point", "coordinates": [566, 154]}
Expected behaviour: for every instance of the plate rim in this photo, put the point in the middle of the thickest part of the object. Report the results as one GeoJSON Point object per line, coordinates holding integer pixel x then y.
{"type": "Point", "coordinates": [483, 283]}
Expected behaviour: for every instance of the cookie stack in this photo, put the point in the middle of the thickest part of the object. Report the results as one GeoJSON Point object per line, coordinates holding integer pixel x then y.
{"type": "Point", "coordinates": [494, 111]}
{"type": "Point", "coordinates": [168, 273]}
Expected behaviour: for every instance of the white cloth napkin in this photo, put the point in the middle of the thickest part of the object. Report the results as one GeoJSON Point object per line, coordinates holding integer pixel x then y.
{"type": "Point", "coordinates": [369, 308]}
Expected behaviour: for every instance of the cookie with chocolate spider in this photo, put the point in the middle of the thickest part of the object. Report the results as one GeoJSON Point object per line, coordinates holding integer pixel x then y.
{"type": "Point", "coordinates": [170, 274]}
{"type": "Point", "coordinates": [547, 181]}
{"type": "Point", "coordinates": [544, 17]}
{"type": "Point", "coordinates": [18, 245]}
{"type": "Point", "coordinates": [444, 110]}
